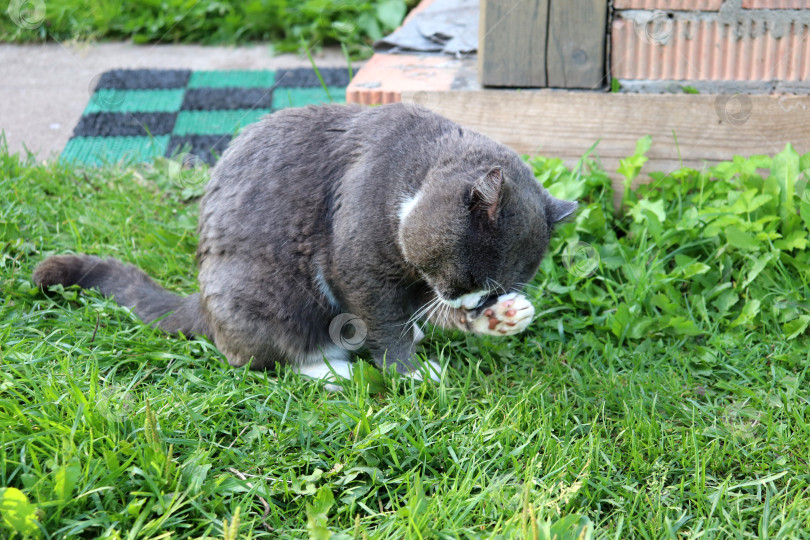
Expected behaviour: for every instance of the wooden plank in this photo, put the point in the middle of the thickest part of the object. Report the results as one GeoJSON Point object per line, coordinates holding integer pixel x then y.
{"type": "Point", "coordinates": [575, 55]}
{"type": "Point", "coordinates": [687, 130]}
{"type": "Point", "coordinates": [512, 43]}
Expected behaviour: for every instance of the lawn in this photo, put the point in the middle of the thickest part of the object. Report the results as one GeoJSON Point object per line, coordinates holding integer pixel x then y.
{"type": "Point", "coordinates": [661, 392]}
{"type": "Point", "coordinates": [290, 24]}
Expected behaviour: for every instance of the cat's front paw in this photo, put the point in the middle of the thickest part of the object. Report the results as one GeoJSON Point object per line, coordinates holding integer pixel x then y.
{"type": "Point", "coordinates": [511, 314]}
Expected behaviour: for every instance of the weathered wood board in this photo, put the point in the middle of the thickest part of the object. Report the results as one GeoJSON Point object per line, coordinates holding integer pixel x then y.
{"type": "Point", "coordinates": [575, 52]}
{"type": "Point", "coordinates": [542, 43]}
{"type": "Point", "coordinates": [687, 130]}
{"type": "Point", "coordinates": [512, 42]}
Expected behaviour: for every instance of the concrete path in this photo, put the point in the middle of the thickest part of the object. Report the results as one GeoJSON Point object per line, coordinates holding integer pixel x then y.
{"type": "Point", "coordinates": [45, 88]}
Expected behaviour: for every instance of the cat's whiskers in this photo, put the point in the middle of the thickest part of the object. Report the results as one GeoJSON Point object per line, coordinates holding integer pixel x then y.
{"type": "Point", "coordinates": [446, 316]}
{"type": "Point", "coordinates": [439, 306]}
{"type": "Point", "coordinates": [497, 286]}
{"type": "Point", "coordinates": [528, 286]}
{"type": "Point", "coordinates": [418, 315]}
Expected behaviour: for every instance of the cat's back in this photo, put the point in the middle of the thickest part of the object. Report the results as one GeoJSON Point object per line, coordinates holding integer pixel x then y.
{"type": "Point", "coordinates": [293, 139]}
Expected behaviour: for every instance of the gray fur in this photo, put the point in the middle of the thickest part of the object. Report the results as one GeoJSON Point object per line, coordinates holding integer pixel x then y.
{"type": "Point", "coordinates": [130, 287]}
{"type": "Point", "coordinates": [301, 222]}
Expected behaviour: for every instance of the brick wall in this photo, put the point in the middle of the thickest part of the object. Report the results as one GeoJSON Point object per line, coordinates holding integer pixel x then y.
{"type": "Point", "coordinates": [756, 42]}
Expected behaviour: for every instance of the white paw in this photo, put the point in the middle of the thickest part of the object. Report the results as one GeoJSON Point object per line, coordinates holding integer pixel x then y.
{"type": "Point", "coordinates": [511, 314]}
{"type": "Point", "coordinates": [434, 371]}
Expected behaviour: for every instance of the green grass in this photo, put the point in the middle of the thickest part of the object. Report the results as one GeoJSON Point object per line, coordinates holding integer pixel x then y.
{"type": "Point", "coordinates": [290, 24]}
{"type": "Point", "coordinates": [664, 395]}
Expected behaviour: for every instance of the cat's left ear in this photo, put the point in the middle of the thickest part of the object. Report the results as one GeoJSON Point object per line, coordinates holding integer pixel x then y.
{"type": "Point", "coordinates": [486, 193]}
{"type": "Point", "coordinates": [558, 209]}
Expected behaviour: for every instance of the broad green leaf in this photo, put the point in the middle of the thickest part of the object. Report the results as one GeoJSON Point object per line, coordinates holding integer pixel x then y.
{"type": "Point", "coordinates": [655, 207]}
{"type": "Point", "coordinates": [797, 326]}
{"type": "Point", "coordinates": [795, 240]}
{"type": "Point", "coordinates": [804, 210]}
{"type": "Point", "coordinates": [785, 168]}
{"type": "Point", "coordinates": [665, 303]}
{"type": "Point", "coordinates": [368, 23]}
{"type": "Point", "coordinates": [740, 239]}
{"type": "Point", "coordinates": [65, 480]}
{"type": "Point", "coordinates": [654, 225]}
{"type": "Point", "coordinates": [757, 202]}
{"type": "Point", "coordinates": [572, 527]}
{"type": "Point", "coordinates": [17, 513]}
{"type": "Point", "coordinates": [689, 220]}
{"type": "Point", "coordinates": [323, 501]}
{"type": "Point", "coordinates": [630, 167]}
{"type": "Point", "coordinates": [695, 269]}
{"type": "Point", "coordinates": [318, 514]}
{"type": "Point", "coordinates": [134, 507]}
{"type": "Point", "coordinates": [759, 265]}
{"type": "Point", "coordinates": [643, 145]}
{"type": "Point", "coordinates": [749, 312]}
{"type": "Point", "coordinates": [619, 321]}
{"type": "Point", "coordinates": [391, 13]}
{"type": "Point", "coordinates": [684, 326]}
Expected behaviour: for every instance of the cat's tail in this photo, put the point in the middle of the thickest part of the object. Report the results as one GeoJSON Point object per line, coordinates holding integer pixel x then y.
{"type": "Point", "coordinates": [129, 286]}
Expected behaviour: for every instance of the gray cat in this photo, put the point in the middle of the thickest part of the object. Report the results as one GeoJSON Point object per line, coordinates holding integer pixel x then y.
{"type": "Point", "coordinates": [393, 214]}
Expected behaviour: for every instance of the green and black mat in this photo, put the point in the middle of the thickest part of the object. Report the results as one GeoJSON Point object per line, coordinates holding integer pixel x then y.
{"type": "Point", "coordinates": [138, 114]}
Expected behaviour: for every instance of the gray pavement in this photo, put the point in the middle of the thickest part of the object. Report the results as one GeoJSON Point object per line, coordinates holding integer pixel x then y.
{"type": "Point", "coordinates": [45, 88]}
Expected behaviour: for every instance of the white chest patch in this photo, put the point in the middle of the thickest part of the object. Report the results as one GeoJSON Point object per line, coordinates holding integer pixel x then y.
{"type": "Point", "coordinates": [407, 206]}
{"type": "Point", "coordinates": [325, 290]}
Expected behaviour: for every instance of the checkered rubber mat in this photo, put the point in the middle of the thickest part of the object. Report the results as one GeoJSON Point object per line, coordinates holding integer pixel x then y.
{"type": "Point", "coordinates": [135, 115]}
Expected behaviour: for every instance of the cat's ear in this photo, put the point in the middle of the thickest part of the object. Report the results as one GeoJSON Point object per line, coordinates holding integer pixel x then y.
{"type": "Point", "coordinates": [486, 193]}
{"type": "Point", "coordinates": [558, 209]}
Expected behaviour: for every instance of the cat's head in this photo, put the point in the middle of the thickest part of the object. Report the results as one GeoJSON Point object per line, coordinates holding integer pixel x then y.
{"type": "Point", "coordinates": [480, 235]}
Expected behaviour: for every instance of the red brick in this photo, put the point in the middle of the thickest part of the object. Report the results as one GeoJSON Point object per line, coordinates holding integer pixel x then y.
{"type": "Point", "coordinates": [707, 51]}
{"type": "Point", "coordinates": [385, 76]}
{"type": "Point", "coordinates": [670, 5]}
